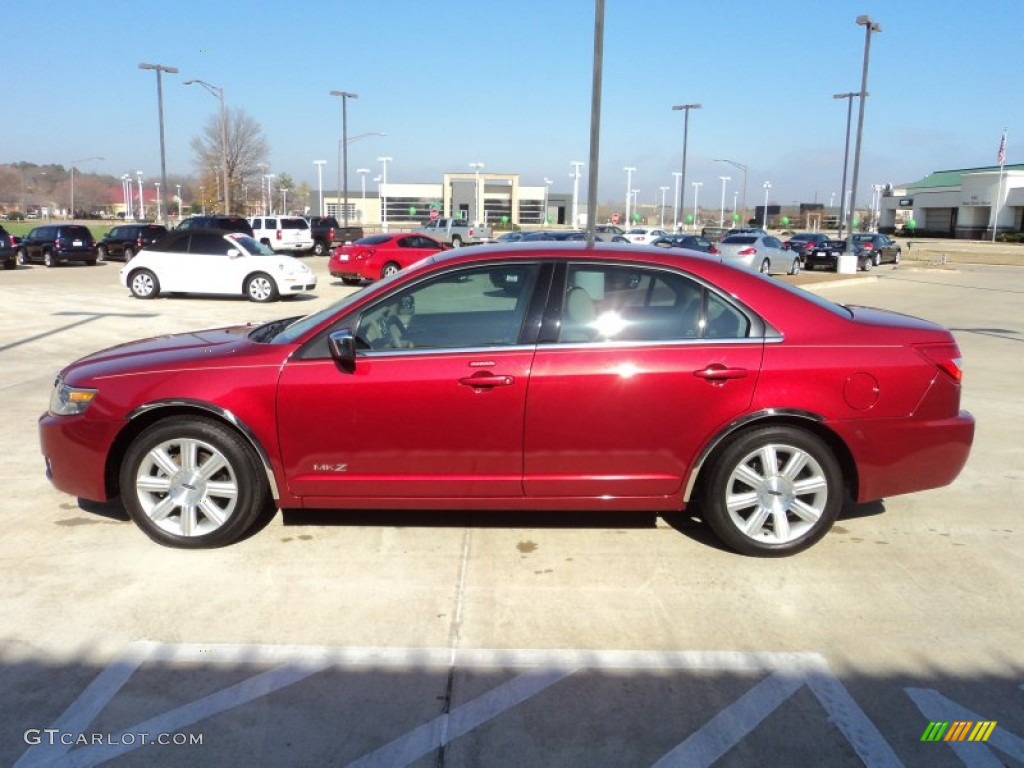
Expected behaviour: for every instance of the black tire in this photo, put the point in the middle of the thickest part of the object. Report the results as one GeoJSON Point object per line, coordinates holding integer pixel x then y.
{"type": "Point", "coordinates": [319, 249]}
{"type": "Point", "coordinates": [48, 259]}
{"type": "Point", "coordinates": [773, 499]}
{"type": "Point", "coordinates": [143, 284]}
{"type": "Point", "coordinates": [389, 269]}
{"type": "Point", "coordinates": [129, 254]}
{"type": "Point", "coordinates": [456, 241]}
{"type": "Point", "coordinates": [896, 259]}
{"type": "Point", "coordinates": [878, 259]}
{"type": "Point", "coordinates": [794, 268]}
{"type": "Point", "coordinates": [101, 253]}
{"type": "Point", "coordinates": [184, 508]}
{"type": "Point", "coordinates": [867, 264]}
{"type": "Point", "coordinates": [22, 256]}
{"type": "Point", "coordinates": [261, 288]}
{"type": "Point", "coordinates": [351, 280]}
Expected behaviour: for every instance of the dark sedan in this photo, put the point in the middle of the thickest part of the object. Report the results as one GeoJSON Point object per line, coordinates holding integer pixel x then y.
{"type": "Point", "coordinates": [804, 242]}
{"type": "Point", "coordinates": [826, 254]}
{"type": "Point", "coordinates": [882, 248]}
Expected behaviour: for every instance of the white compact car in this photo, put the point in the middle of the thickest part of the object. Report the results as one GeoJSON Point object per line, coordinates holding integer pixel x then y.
{"type": "Point", "coordinates": [644, 235]}
{"type": "Point", "coordinates": [215, 262]}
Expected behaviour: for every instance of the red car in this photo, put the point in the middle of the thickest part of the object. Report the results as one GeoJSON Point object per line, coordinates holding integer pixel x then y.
{"type": "Point", "coordinates": [549, 376]}
{"type": "Point", "coordinates": [378, 256]}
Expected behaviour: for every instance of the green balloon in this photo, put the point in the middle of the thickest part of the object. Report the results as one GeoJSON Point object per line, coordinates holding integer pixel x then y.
{"type": "Point", "coordinates": [504, 219]}
{"type": "Point", "coordinates": [785, 221]}
{"type": "Point", "coordinates": [688, 218]}
{"type": "Point", "coordinates": [735, 217]}
{"type": "Point", "coordinates": [636, 217]}
{"type": "Point", "coordinates": [412, 210]}
{"type": "Point", "coordinates": [856, 222]}
{"type": "Point", "coordinates": [911, 224]}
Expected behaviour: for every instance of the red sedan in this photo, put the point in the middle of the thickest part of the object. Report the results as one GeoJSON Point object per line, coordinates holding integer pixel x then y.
{"type": "Point", "coordinates": [541, 377]}
{"type": "Point", "coordinates": [378, 256]}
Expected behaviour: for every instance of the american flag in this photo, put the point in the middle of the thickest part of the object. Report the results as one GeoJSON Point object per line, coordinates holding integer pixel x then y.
{"type": "Point", "coordinates": [1001, 154]}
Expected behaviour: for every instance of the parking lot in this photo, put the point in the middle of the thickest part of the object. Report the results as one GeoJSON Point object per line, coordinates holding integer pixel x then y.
{"type": "Point", "coordinates": [459, 639]}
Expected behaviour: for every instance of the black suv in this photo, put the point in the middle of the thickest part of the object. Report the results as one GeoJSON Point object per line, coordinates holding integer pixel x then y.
{"type": "Point", "coordinates": [8, 249]}
{"type": "Point", "coordinates": [327, 232]}
{"type": "Point", "coordinates": [124, 241]}
{"type": "Point", "coordinates": [55, 244]}
{"type": "Point", "coordinates": [229, 223]}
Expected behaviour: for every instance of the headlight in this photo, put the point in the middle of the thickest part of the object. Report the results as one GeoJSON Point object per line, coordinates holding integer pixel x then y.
{"type": "Point", "coordinates": [69, 401]}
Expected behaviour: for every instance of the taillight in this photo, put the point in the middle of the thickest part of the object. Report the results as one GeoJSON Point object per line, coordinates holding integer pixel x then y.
{"type": "Point", "coordinates": [712, 249]}
{"type": "Point", "coordinates": [330, 234]}
{"type": "Point", "coordinates": [138, 241]}
{"type": "Point", "coordinates": [279, 234]}
{"type": "Point", "coordinates": [945, 357]}
{"type": "Point", "coordinates": [748, 252]}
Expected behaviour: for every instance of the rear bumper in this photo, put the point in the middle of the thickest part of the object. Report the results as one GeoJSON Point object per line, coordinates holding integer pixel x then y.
{"type": "Point", "coordinates": [907, 455]}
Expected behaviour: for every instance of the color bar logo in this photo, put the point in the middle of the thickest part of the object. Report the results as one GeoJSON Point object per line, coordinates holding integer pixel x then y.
{"type": "Point", "coordinates": [958, 730]}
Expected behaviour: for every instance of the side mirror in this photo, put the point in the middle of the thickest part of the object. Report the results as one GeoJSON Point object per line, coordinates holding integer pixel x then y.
{"type": "Point", "coordinates": [343, 348]}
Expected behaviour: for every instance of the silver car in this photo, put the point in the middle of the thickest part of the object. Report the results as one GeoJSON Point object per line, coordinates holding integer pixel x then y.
{"type": "Point", "coordinates": [761, 253]}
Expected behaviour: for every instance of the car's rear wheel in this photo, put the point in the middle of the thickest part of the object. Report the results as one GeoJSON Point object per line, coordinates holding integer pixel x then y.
{"type": "Point", "coordinates": [773, 491]}
{"type": "Point", "coordinates": [101, 253]}
{"type": "Point", "coordinates": [191, 482]}
{"type": "Point", "coordinates": [389, 269]}
{"type": "Point", "coordinates": [319, 249]}
{"type": "Point", "coordinates": [129, 253]}
{"type": "Point", "coordinates": [456, 241]}
{"type": "Point", "coordinates": [22, 256]}
{"type": "Point", "coordinates": [867, 263]}
{"type": "Point", "coordinates": [48, 259]}
{"type": "Point", "coordinates": [143, 284]}
{"type": "Point", "coordinates": [261, 287]}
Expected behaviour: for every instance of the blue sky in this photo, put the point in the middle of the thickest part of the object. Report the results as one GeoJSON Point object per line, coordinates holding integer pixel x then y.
{"type": "Point", "coordinates": [509, 84]}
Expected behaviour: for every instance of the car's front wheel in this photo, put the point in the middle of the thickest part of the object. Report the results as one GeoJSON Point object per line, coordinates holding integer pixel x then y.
{"type": "Point", "coordinates": [143, 284]}
{"type": "Point", "coordinates": [773, 491]}
{"type": "Point", "coordinates": [896, 258]}
{"type": "Point", "coordinates": [191, 482]}
{"type": "Point", "coordinates": [261, 287]}
{"type": "Point", "coordinates": [794, 268]}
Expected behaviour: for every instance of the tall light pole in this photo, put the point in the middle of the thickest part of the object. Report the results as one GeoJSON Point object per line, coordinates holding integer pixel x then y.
{"type": "Point", "coordinates": [343, 155]}
{"type": "Point", "coordinates": [284, 201]}
{"type": "Point", "coordinates": [721, 216]}
{"type": "Point", "coordinates": [629, 169]}
{"type": "Point", "coordinates": [661, 220]}
{"type": "Point", "coordinates": [270, 193]}
{"type": "Point", "coordinates": [382, 190]}
{"type": "Point", "coordinates": [262, 167]}
{"type": "Point", "coordinates": [869, 27]}
{"type": "Point", "coordinates": [71, 212]}
{"type": "Point", "coordinates": [686, 132]}
{"type": "Point", "coordinates": [476, 171]}
{"type": "Point", "coordinates": [547, 192]}
{"type": "Point", "coordinates": [677, 205]}
{"type": "Point", "coordinates": [362, 179]}
{"type": "Point", "coordinates": [696, 191]}
{"type": "Point", "coordinates": [742, 167]}
{"type": "Point", "coordinates": [219, 94]}
{"type": "Point", "coordinates": [126, 190]}
{"type": "Point", "coordinates": [179, 200]}
{"type": "Point", "coordinates": [576, 166]}
{"type": "Point", "coordinates": [846, 150]}
{"type": "Point", "coordinates": [160, 69]}
{"type": "Point", "coordinates": [142, 205]}
{"type": "Point", "coordinates": [320, 181]}
{"type": "Point", "coordinates": [159, 210]}
{"type": "Point", "coordinates": [764, 218]}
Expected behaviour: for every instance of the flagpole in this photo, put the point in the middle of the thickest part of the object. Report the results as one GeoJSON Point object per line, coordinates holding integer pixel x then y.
{"type": "Point", "coordinates": [999, 186]}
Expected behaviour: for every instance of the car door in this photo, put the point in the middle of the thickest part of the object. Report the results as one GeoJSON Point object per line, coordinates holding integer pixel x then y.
{"type": "Point", "coordinates": [647, 365]}
{"type": "Point", "coordinates": [433, 407]}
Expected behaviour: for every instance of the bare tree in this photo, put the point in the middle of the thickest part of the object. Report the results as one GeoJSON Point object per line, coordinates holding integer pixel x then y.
{"type": "Point", "coordinates": [246, 148]}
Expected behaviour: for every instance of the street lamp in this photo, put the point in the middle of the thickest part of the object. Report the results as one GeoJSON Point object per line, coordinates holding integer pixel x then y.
{"type": "Point", "coordinates": [284, 201]}
{"type": "Point", "coordinates": [320, 181]}
{"type": "Point", "coordinates": [362, 179]}
{"type": "Point", "coordinates": [764, 220]}
{"type": "Point", "coordinates": [178, 186]}
{"type": "Point", "coordinates": [629, 169]}
{"type": "Point", "coordinates": [696, 191]}
{"type": "Point", "coordinates": [343, 155]}
{"type": "Point", "coordinates": [547, 190]}
{"type": "Point", "coordinates": [159, 69]}
{"type": "Point", "coordinates": [869, 27]}
{"type": "Point", "coordinates": [576, 165]}
{"type": "Point", "coordinates": [142, 205]}
{"type": "Point", "coordinates": [82, 160]}
{"type": "Point", "coordinates": [661, 220]}
{"type": "Point", "coordinates": [743, 168]}
{"type": "Point", "coordinates": [677, 205]}
{"type": "Point", "coordinates": [686, 130]}
{"type": "Point", "coordinates": [263, 176]}
{"type": "Point", "coordinates": [846, 148]}
{"type": "Point", "coordinates": [126, 190]}
{"type": "Point", "coordinates": [721, 216]}
{"type": "Point", "coordinates": [219, 93]}
{"type": "Point", "coordinates": [382, 190]}
{"type": "Point", "coordinates": [159, 211]}
{"type": "Point", "coordinates": [270, 193]}
{"type": "Point", "coordinates": [476, 172]}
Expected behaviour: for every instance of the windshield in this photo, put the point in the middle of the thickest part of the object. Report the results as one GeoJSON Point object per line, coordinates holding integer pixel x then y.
{"type": "Point", "coordinates": [252, 246]}
{"type": "Point", "coordinates": [739, 240]}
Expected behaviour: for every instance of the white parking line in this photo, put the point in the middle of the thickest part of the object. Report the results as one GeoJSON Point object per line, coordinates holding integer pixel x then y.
{"type": "Point", "coordinates": [786, 674]}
